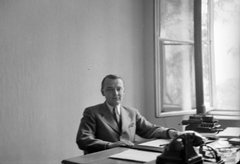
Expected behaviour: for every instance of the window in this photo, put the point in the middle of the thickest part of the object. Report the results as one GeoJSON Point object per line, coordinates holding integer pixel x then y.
{"type": "Point", "coordinates": [177, 60]}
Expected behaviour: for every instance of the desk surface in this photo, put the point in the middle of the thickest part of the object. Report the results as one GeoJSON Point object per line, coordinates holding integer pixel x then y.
{"type": "Point", "coordinates": [102, 157]}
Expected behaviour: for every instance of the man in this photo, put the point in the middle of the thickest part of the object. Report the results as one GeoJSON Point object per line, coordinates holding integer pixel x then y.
{"type": "Point", "coordinates": [100, 128]}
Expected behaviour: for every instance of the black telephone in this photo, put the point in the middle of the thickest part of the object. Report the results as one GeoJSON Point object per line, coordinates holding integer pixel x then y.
{"type": "Point", "coordinates": [181, 151]}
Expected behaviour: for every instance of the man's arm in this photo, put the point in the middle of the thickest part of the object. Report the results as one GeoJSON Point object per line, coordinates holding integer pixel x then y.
{"type": "Point", "coordinates": [86, 139]}
{"type": "Point", "coordinates": [95, 135]}
{"type": "Point", "coordinates": [147, 130]}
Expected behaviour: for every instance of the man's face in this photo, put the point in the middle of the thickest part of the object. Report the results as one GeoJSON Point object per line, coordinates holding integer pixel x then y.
{"type": "Point", "coordinates": [113, 90]}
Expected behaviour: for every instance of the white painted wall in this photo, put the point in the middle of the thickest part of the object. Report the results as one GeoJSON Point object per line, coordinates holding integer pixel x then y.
{"type": "Point", "coordinates": [53, 56]}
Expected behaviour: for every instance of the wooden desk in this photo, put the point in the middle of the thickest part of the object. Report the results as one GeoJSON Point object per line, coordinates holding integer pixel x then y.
{"type": "Point", "coordinates": [102, 157]}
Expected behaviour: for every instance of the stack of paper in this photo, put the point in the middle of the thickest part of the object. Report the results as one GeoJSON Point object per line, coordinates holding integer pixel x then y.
{"type": "Point", "coordinates": [157, 142]}
{"type": "Point", "coordinates": [157, 145]}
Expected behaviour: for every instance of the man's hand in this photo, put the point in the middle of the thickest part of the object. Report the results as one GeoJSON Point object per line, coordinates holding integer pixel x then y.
{"type": "Point", "coordinates": [120, 143]}
{"type": "Point", "coordinates": [173, 133]}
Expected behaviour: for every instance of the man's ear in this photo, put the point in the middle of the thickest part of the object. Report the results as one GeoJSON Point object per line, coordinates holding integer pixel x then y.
{"type": "Point", "coordinates": [102, 92]}
{"type": "Point", "coordinates": [124, 91]}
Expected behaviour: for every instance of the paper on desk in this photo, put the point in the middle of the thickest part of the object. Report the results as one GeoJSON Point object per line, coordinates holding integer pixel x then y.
{"type": "Point", "coordinates": [220, 144]}
{"type": "Point", "coordinates": [136, 155]}
{"type": "Point", "coordinates": [156, 143]}
{"type": "Point", "coordinates": [230, 132]}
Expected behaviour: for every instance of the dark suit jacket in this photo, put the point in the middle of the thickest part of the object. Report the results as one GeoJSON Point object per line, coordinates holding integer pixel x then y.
{"type": "Point", "coordinates": [98, 127]}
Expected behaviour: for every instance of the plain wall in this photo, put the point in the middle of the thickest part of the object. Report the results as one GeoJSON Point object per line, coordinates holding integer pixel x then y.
{"type": "Point", "coordinates": [53, 56]}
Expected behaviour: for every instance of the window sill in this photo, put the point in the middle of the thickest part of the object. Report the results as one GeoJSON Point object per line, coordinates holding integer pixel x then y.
{"type": "Point", "coordinates": [218, 114]}
{"type": "Point", "coordinates": [225, 114]}
{"type": "Point", "coordinates": [176, 113]}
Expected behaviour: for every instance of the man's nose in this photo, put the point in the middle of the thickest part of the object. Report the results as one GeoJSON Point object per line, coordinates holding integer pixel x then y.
{"type": "Point", "coordinates": [115, 92]}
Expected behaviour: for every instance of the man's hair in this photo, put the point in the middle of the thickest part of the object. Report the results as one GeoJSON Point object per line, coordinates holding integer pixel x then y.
{"type": "Point", "coordinates": [113, 77]}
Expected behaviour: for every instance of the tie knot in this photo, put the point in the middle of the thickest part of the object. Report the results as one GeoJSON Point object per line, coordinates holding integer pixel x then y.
{"type": "Point", "coordinates": [115, 109]}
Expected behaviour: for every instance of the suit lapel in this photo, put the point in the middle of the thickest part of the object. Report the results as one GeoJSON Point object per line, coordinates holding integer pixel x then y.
{"type": "Point", "coordinates": [108, 117]}
{"type": "Point", "coordinates": [125, 119]}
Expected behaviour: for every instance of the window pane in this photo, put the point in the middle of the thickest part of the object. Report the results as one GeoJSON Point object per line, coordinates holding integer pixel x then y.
{"type": "Point", "coordinates": [221, 80]}
{"type": "Point", "coordinates": [176, 50]}
{"type": "Point", "coordinates": [176, 19]}
{"type": "Point", "coordinates": [226, 43]}
{"type": "Point", "coordinates": [179, 85]}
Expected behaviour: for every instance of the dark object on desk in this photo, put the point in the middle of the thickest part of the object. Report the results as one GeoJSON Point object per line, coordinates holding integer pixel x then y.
{"type": "Point", "coordinates": [180, 150]}
{"type": "Point", "coordinates": [202, 123]}
{"type": "Point", "coordinates": [209, 153]}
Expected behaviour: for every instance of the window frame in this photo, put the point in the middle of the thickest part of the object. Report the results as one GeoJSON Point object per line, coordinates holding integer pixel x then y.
{"type": "Point", "coordinates": [159, 68]}
{"type": "Point", "coordinates": [159, 71]}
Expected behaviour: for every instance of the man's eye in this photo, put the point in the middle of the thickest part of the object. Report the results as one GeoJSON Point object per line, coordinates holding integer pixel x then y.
{"type": "Point", "coordinates": [120, 89]}
{"type": "Point", "coordinates": [109, 89]}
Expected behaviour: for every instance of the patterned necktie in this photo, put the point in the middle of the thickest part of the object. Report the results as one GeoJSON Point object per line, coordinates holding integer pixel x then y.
{"type": "Point", "coordinates": [117, 116]}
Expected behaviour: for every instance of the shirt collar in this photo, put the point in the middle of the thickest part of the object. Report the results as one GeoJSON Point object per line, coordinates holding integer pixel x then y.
{"type": "Point", "coordinates": [111, 108]}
